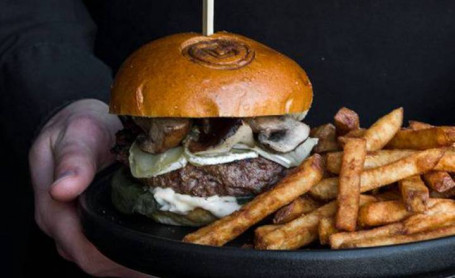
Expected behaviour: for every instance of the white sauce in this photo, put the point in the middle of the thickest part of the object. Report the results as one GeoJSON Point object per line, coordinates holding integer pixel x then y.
{"type": "Point", "coordinates": [183, 204]}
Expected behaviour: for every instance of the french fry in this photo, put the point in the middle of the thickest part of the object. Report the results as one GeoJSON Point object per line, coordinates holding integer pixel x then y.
{"type": "Point", "coordinates": [383, 130]}
{"type": "Point", "coordinates": [339, 240]}
{"type": "Point", "coordinates": [326, 229]}
{"type": "Point", "coordinates": [349, 184]}
{"type": "Point", "coordinates": [400, 239]}
{"type": "Point", "coordinates": [263, 230]}
{"type": "Point", "coordinates": [327, 138]}
{"type": "Point", "coordinates": [299, 206]}
{"type": "Point", "coordinates": [288, 189]}
{"type": "Point", "coordinates": [381, 213]}
{"type": "Point", "coordinates": [372, 160]}
{"type": "Point", "coordinates": [355, 133]}
{"type": "Point", "coordinates": [325, 190]}
{"type": "Point", "coordinates": [301, 231]}
{"type": "Point", "coordinates": [439, 181]}
{"type": "Point", "coordinates": [414, 193]}
{"type": "Point", "coordinates": [346, 120]}
{"type": "Point", "coordinates": [418, 163]}
{"type": "Point", "coordinates": [447, 162]}
{"type": "Point", "coordinates": [423, 139]}
{"type": "Point", "coordinates": [440, 212]}
{"type": "Point", "coordinates": [415, 125]}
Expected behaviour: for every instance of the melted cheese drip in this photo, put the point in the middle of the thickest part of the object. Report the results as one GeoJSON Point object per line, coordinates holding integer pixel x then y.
{"type": "Point", "coordinates": [174, 202]}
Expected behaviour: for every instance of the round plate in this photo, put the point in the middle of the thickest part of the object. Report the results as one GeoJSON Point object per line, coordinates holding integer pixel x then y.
{"type": "Point", "coordinates": [141, 244]}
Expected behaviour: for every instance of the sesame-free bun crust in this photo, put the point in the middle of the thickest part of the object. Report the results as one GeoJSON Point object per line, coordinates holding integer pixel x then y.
{"type": "Point", "coordinates": [222, 75]}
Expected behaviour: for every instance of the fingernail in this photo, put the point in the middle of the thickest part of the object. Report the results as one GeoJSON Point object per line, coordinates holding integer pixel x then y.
{"type": "Point", "coordinates": [63, 176]}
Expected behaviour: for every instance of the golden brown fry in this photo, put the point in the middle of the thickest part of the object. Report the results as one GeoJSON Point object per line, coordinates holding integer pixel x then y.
{"type": "Point", "coordinates": [327, 138]}
{"type": "Point", "coordinates": [416, 125]}
{"type": "Point", "coordinates": [381, 213]}
{"type": "Point", "coordinates": [439, 181]}
{"type": "Point", "coordinates": [349, 184]}
{"type": "Point", "coordinates": [356, 133]}
{"type": "Point", "coordinates": [447, 162]}
{"type": "Point", "coordinates": [383, 130]}
{"type": "Point", "coordinates": [339, 240]}
{"type": "Point", "coordinates": [440, 212]}
{"type": "Point", "coordinates": [418, 163]}
{"type": "Point", "coordinates": [325, 190]}
{"type": "Point", "coordinates": [299, 206]}
{"type": "Point", "coordinates": [288, 189]}
{"type": "Point", "coordinates": [346, 120]}
{"type": "Point", "coordinates": [372, 160]}
{"type": "Point", "coordinates": [414, 193]}
{"type": "Point", "coordinates": [301, 231]}
{"type": "Point", "coordinates": [263, 230]}
{"type": "Point", "coordinates": [326, 229]}
{"type": "Point", "coordinates": [423, 139]}
{"type": "Point", "coordinates": [399, 239]}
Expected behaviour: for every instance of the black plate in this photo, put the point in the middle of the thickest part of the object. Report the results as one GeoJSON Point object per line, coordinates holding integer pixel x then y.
{"type": "Point", "coordinates": [153, 248]}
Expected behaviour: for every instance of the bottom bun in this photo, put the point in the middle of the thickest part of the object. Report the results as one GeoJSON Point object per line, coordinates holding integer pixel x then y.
{"type": "Point", "coordinates": [129, 197]}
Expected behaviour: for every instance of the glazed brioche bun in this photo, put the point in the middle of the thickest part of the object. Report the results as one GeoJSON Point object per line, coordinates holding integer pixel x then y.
{"type": "Point", "coordinates": [222, 75]}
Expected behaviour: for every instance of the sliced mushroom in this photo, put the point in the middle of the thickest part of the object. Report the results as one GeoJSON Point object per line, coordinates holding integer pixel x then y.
{"type": "Point", "coordinates": [219, 135]}
{"type": "Point", "coordinates": [161, 134]}
{"type": "Point", "coordinates": [279, 133]}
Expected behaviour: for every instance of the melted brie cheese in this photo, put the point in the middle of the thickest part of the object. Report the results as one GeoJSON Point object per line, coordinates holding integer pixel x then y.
{"type": "Point", "coordinates": [174, 202]}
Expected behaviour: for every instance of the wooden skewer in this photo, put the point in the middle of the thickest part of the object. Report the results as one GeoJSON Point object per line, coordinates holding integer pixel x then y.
{"type": "Point", "coordinates": [207, 17]}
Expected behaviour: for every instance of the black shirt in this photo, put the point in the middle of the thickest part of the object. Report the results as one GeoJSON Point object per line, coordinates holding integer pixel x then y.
{"type": "Point", "coordinates": [371, 56]}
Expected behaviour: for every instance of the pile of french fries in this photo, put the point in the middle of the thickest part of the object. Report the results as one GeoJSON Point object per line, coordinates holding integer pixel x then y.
{"type": "Point", "coordinates": [361, 187]}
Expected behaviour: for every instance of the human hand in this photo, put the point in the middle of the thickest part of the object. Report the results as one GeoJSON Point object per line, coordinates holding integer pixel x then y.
{"type": "Point", "coordinates": [71, 148]}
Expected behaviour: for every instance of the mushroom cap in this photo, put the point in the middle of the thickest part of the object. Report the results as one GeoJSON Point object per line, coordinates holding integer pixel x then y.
{"type": "Point", "coordinates": [222, 75]}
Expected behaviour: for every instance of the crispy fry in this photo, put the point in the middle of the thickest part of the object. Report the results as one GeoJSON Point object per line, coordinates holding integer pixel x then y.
{"type": "Point", "coordinates": [439, 213]}
{"type": "Point", "coordinates": [263, 230]}
{"type": "Point", "coordinates": [415, 125]}
{"type": "Point", "coordinates": [339, 240]}
{"type": "Point", "coordinates": [288, 189]}
{"type": "Point", "coordinates": [372, 160]}
{"type": "Point", "coordinates": [414, 193]}
{"type": "Point", "coordinates": [356, 133]}
{"type": "Point", "coordinates": [423, 139]}
{"type": "Point", "coordinates": [325, 190]}
{"type": "Point", "coordinates": [447, 162]}
{"type": "Point", "coordinates": [383, 130]}
{"type": "Point", "coordinates": [349, 184]}
{"type": "Point", "coordinates": [399, 239]}
{"type": "Point", "coordinates": [302, 230]}
{"type": "Point", "coordinates": [299, 206]}
{"type": "Point", "coordinates": [418, 163]}
{"type": "Point", "coordinates": [439, 181]}
{"type": "Point", "coordinates": [326, 229]}
{"type": "Point", "coordinates": [381, 213]}
{"type": "Point", "coordinates": [346, 120]}
{"type": "Point", "coordinates": [327, 138]}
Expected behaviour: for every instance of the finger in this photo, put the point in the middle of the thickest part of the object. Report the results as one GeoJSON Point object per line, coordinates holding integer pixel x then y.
{"type": "Point", "coordinates": [72, 242]}
{"type": "Point", "coordinates": [78, 152]}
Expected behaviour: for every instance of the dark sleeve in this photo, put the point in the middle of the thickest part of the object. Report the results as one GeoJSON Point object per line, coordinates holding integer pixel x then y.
{"type": "Point", "coordinates": [46, 61]}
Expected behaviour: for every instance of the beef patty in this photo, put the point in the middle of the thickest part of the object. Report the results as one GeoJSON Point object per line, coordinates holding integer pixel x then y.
{"type": "Point", "coordinates": [238, 178]}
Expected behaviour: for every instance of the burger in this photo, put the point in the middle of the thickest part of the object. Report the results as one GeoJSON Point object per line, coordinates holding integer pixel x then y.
{"type": "Point", "coordinates": [209, 123]}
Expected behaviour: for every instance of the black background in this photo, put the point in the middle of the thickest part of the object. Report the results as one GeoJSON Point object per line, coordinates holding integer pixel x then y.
{"type": "Point", "coordinates": [371, 56]}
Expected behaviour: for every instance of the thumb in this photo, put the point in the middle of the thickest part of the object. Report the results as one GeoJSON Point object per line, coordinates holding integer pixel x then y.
{"type": "Point", "coordinates": [77, 155]}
